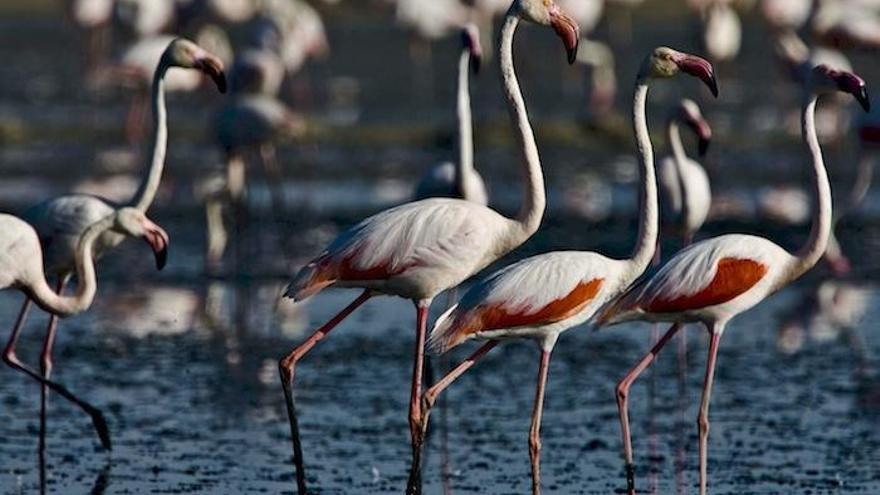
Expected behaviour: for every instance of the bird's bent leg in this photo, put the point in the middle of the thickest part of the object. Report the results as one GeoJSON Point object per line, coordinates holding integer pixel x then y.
{"type": "Point", "coordinates": [9, 356]}
{"type": "Point", "coordinates": [703, 419]}
{"type": "Point", "coordinates": [46, 363]}
{"type": "Point", "coordinates": [12, 361]}
{"type": "Point", "coordinates": [286, 370]}
{"type": "Point", "coordinates": [427, 402]}
{"type": "Point", "coordinates": [623, 402]}
{"type": "Point", "coordinates": [535, 430]}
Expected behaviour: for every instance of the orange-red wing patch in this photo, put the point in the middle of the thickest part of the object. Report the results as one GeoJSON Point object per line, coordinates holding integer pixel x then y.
{"type": "Point", "coordinates": [733, 277]}
{"type": "Point", "coordinates": [486, 318]}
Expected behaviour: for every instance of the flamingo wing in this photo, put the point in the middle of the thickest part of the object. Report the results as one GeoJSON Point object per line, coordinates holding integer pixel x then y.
{"type": "Point", "coordinates": [537, 291]}
{"type": "Point", "coordinates": [447, 235]}
{"type": "Point", "coordinates": [708, 273]}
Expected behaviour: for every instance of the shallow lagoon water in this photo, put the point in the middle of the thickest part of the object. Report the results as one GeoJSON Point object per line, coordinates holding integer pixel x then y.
{"type": "Point", "coordinates": [189, 382]}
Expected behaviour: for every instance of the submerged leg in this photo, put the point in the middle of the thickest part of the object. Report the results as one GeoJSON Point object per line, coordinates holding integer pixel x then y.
{"type": "Point", "coordinates": [286, 370]}
{"type": "Point", "coordinates": [427, 402]}
{"type": "Point", "coordinates": [623, 402]}
{"type": "Point", "coordinates": [12, 360]}
{"type": "Point", "coordinates": [535, 430]}
{"type": "Point", "coordinates": [703, 419]}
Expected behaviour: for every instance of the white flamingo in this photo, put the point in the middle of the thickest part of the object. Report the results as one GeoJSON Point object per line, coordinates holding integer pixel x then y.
{"type": "Point", "coordinates": [21, 267]}
{"type": "Point", "coordinates": [714, 280]}
{"type": "Point", "coordinates": [417, 250]}
{"type": "Point", "coordinates": [540, 297]}
{"type": "Point", "coordinates": [459, 180]}
{"type": "Point", "coordinates": [685, 193]}
{"type": "Point", "coordinates": [60, 222]}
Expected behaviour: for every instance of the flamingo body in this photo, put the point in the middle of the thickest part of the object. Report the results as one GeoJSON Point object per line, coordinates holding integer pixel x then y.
{"type": "Point", "coordinates": [564, 289]}
{"type": "Point", "coordinates": [414, 251]}
{"type": "Point", "coordinates": [251, 120]}
{"type": "Point", "coordinates": [697, 194]}
{"type": "Point", "coordinates": [60, 223]}
{"type": "Point", "coordinates": [712, 280]}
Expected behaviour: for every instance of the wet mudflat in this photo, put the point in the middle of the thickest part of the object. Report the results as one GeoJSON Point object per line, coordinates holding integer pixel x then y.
{"type": "Point", "coordinates": [185, 365]}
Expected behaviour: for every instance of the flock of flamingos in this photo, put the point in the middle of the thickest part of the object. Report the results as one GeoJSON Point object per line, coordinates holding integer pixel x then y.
{"type": "Point", "coordinates": [448, 234]}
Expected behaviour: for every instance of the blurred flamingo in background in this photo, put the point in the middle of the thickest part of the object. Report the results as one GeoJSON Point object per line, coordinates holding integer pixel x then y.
{"type": "Point", "coordinates": [21, 267]}
{"type": "Point", "coordinates": [460, 179]}
{"type": "Point", "coordinates": [540, 297]}
{"type": "Point", "coordinates": [716, 279]}
{"type": "Point", "coordinates": [685, 194]}
{"type": "Point", "coordinates": [60, 222]}
{"type": "Point", "coordinates": [420, 249]}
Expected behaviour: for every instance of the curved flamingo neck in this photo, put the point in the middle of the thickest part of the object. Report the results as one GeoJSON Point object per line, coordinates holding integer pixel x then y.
{"type": "Point", "coordinates": [532, 211]}
{"type": "Point", "coordinates": [465, 163]}
{"type": "Point", "coordinates": [646, 242]}
{"type": "Point", "coordinates": [820, 231]}
{"type": "Point", "coordinates": [86, 286]}
{"type": "Point", "coordinates": [145, 194]}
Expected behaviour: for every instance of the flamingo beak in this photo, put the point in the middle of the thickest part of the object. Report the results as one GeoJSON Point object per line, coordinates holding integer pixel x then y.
{"type": "Point", "coordinates": [158, 240]}
{"type": "Point", "coordinates": [704, 135]}
{"type": "Point", "coordinates": [863, 99]}
{"type": "Point", "coordinates": [213, 68]}
{"type": "Point", "coordinates": [699, 68]}
{"type": "Point", "coordinates": [471, 40]}
{"type": "Point", "coordinates": [567, 30]}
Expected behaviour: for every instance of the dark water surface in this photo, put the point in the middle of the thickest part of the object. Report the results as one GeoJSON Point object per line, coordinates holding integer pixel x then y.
{"type": "Point", "coordinates": [185, 366]}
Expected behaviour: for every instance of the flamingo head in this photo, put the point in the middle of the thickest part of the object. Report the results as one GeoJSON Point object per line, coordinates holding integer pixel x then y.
{"type": "Point", "coordinates": [132, 222]}
{"type": "Point", "coordinates": [547, 13]}
{"type": "Point", "coordinates": [470, 38]}
{"type": "Point", "coordinates": [825, 79]}
{"type": "Point", "coordinates": [689, 114]}
{"type": "Point", "coordinates": [184, 53]}
{"type": "Point", "coordinates": [665, 62]}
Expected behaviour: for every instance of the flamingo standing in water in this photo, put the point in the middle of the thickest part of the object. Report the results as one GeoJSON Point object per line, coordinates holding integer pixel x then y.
{"type": "Point", "coordinates": [716, 279]}
{"type": "Point", "coordinates": [540, 297]}
{"type": "Point", "coordinates": [685, 194]}
{"type": "Point", "coordinates": [460, 180]}
{"type": "Point", "coordinates": [420, 249]}
{"type": "Point", "coordinates": [60, 222]}
{"type": "Point", "coordinates": [21, 267]}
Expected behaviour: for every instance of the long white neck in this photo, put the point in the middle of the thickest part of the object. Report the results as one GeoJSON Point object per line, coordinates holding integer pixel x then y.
{"type": "Point", "coordinates": [50, 301]}
{"type": "Point", "coordinates": [532, 211]}
{"type": "Point", "coordinates": [646, 243]}
{"type": "Point", "coordinates": [679, 157]}
{"type": "Point", "coordinates": [810, 253]}
{"type": "Point", "coordinates": [465, 164]}
{"type": "Point", "coordinates": [145, 194]}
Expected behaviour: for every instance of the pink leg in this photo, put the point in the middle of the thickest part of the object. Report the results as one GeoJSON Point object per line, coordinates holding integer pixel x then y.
{"type": "Point", "coordinates": [46, 363]}
{"type": "Point", "coordinates": [535, 430]}
{"type": "Point", "coordinates": [286, 369]}
{"type": "Point", "coordinates": [623, 402]}
{"type": "Point", "coordinates": [10, 358]}
{"type": "Point", "coordinates": [428, 400]}
{"type": "Point", "coordinates": [414, 484]}
{"type": "Point", "coordinates": [703, 419]}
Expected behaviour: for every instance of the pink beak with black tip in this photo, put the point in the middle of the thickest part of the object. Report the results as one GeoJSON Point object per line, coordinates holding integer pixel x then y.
{"type": "Point", "coordinates": [704, 134]}
{"type": "Point", "coordinates": [213, 68]}
{"type": "Point", "coordinates": [698, 67]}
{"type": "Point", "coordinates": [567, 30]}
{"type": "Point", "coordinates": [158, 240]}
{"type": "Point", "coordinates": [471, 40]}
{"type": "Point", "coordinates": [854, 85]}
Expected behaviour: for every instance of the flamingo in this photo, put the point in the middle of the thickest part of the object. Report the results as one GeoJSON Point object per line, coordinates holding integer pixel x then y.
{"type": "Point", "coordinates": [21, 267]}
{"type": "Point", "coordinates": [722, 32]}
{"type": "Point", "coordinates": [417, 250]}
{"type": "Point", "coordinates": [716, 279]}
{"type": "Point", "coordinates": [460, 180]}
{"type": "Point", "coordinates": [786, 14]}
{"type": "Point", "coordinates": [685, 193]}
{"type": "Point", "coordinates": [60, 222]}
{"type": "Point", "coordinates": [540, 297]}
